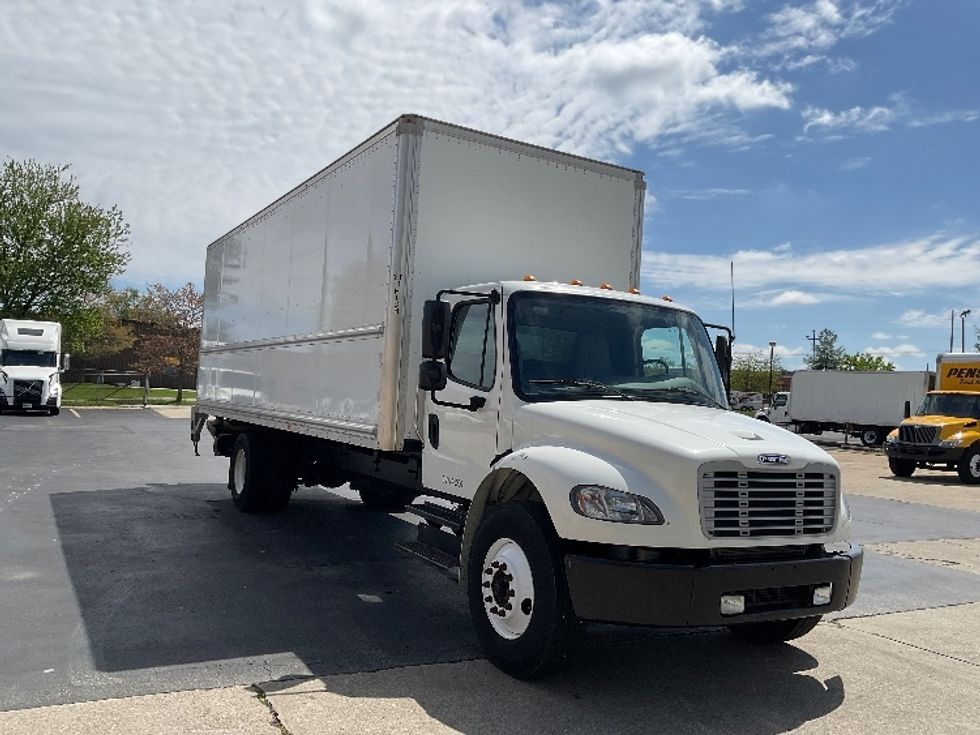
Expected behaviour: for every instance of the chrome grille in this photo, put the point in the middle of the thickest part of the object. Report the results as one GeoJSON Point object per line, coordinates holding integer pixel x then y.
{"type": "Point", "coordinates": [916, 434]}
{"type": "Point", "coordinates": [740, 503]}
{"type": "Point", "coordinates": [27, 391]}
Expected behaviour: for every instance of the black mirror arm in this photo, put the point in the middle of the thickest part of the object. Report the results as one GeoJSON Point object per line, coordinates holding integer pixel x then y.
{"type": "Point", "coordinates": [475, 404]}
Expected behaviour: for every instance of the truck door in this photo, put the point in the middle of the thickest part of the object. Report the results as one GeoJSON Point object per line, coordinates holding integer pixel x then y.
{"type": "Point", "coordinates": [460, 441]}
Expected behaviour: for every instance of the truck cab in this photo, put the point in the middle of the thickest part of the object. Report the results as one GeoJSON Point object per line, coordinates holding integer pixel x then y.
{"type": "Point", "coordinates": [596, 422]}
{"type": "Point", "coordinates": [30, 365]}
{"type": "Point", "coordinates": [943, 433]}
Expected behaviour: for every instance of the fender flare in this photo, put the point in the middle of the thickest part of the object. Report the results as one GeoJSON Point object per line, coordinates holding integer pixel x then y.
{"type": "Point", "coordinates": [545, 473]}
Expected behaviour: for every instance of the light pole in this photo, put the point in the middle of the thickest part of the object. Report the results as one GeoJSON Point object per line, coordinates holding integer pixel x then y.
{"type": "Point", "coordinates": [963, 315]}
{"type": "Point", "coordinates": [772, 350]}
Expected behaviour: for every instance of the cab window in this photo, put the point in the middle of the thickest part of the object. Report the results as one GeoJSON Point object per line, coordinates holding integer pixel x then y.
{"type": "Point", "coordinates": [472, 345]}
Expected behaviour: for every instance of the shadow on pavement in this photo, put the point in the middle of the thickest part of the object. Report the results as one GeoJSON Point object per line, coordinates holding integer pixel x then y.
{"type": "Point", "coordinates": [687, 683]}
{"type": "Point", "coordinates": [169, 574]}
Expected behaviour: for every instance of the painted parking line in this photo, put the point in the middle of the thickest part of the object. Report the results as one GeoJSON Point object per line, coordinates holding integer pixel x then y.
{"type": "Point", "coordinates": [74, 413]}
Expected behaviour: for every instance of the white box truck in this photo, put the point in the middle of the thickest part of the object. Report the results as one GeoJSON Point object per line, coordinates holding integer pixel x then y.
{"type": "Point", "coordinates": [381, 325]}
{"type": "Point", "coordinates": [30, 365]}
{"type": "Point", "coordinates": [864, 404]}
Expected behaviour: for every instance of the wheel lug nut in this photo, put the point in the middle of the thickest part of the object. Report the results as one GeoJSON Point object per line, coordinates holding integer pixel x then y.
{"type": "Point", "coordinates": [486, 584]}
{"type": "Point", "coordinates": [511, 593]}
{"type": "Point", "coordinates": [488, 571]}
{"type": "Point", "coordinates": [488, 599]}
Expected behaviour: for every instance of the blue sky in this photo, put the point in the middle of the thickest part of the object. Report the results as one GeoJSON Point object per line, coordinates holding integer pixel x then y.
{"type": "Point", "coordinates": [829, 148]}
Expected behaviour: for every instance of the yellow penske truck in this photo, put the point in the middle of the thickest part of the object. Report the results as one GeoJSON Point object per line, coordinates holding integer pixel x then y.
{"type": "Point", "coordinates": [943, 434]}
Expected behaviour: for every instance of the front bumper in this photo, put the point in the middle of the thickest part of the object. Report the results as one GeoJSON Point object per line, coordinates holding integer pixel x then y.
{"type": "Point", "coordinates": [641, 593]}
{"type": "Point", "coordinates": [924, 452]}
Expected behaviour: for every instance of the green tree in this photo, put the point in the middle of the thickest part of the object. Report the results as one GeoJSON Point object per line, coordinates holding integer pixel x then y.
{"type": "Point", "coordinates": [750, 372]}
{"type": "Point", "coordinates": [58, 254]}
{"type": "Point", "coordinates": [866, 361]}
{"type": "Point", "coordinates": [171, 337]}
{"type": "Point", "coordinates": [115, 313]}
{"type": "Point", "coordinates": [827, 355]}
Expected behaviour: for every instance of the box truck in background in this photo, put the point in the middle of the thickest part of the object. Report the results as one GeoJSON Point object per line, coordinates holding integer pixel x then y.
{"type": "Point", "coordinates": [381, 325]}
{"type": "Point", "coordinates": [30, 365]}
{"type": "Point", "coordinates": [863, 404]}
{"type": "Point", "coordinates": [943, 433]}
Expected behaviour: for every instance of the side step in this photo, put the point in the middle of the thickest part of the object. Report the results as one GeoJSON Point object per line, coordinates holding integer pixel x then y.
{"type": "Point", "coordinates": [436, 547]}
{"type": "Point", "coordinates": [439, 515]}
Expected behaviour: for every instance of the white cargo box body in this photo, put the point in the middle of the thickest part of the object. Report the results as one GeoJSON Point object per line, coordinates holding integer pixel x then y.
{"type": "Point", "coordinates": [860, 398]}
{"type": "Point", "coordinates": [313, 306]}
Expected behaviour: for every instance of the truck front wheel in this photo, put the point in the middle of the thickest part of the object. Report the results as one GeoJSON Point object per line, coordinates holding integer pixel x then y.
{"type": "Point", "coordinates": [901, 467]}
{"type": "Point", "coordinates": [968, 467]}
{"type": "Point", "coordinates": [775, 631]}
{"type": "Point", "coordinates": [518, 597]}
{"type": "Point", "coordinates": [260, 475]}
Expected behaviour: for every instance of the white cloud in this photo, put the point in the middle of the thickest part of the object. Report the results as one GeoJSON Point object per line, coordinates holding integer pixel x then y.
{"type": "Point", "coordinates": [939, 262]}
{"type": "Point", "coordinates": [921, 318]}
{"type": "Point", "coordinates": [898, 351]}
{"type": "Point", "coordinates": [881, 335]}
{"type": "Point", "coordinates": [780, 350]}
{"type": "Point", "coordinates": [857, 119]}
{"type": "Point", "coordinates": [710, 194]}
{"type": "Point", "coordinates": [877, 119]}
{"type": "Point", "coordinates": [192, 115]}
{"type": "Point", "coordinates": [789, 297]}
{"type": "Point", "coordinates": [800, 33]}
{"type": "Point", "coordinates": [854, 164]}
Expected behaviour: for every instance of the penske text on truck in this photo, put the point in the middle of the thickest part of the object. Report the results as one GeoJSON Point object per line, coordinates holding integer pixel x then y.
{"type": "Point", "coordinates": [943, 433]}
{"type": "Point", "coordinates": [450, 321]}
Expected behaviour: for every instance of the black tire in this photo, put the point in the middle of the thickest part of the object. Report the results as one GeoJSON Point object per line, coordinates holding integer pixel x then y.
{"type": "Point", "coordinates": [872, 436]}
{"type": "Point", "coordinates": [551, 626]}
{"type": "Point", "coordinates": [384, 497]}
{"type": "Point", "coordinates": [54, 411]}
{"type": "Point", "coordinates": [261, 475]}
{"type": "Point", "coordinates": [968, 468]}
{"type": "Point", "coordinates": [774, 631]}
{"type": "Point", "coordinates": [901, 467]}
{"type": "Point", "coordinates": [764, 418]}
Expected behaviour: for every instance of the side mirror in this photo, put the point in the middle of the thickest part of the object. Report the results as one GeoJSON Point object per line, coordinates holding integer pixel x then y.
{"type": "Point", "coordinates": [66, 362]}
{"type": "Point", "coordinates": [723, 355]}
{"type": "Point", "coordinates": [435, 330]}
{"type": "Point", "coordinates": [908, 409]}
{"type": "Point", "coordinates": [432, 375]}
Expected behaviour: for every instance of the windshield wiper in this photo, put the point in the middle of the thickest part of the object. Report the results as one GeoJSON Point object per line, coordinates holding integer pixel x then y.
{"type": "Point", "coordinates": [608, 390]}
{"type": "Point", "coordinates": [685, 391]}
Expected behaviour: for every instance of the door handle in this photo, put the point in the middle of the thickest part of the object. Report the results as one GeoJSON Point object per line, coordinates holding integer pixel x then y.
{"type": "Point", "coordinates": [434, 431]}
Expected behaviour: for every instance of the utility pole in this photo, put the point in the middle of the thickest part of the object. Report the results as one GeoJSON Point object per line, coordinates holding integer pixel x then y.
{"type": "Point", "coordinates": [963, 315]}
{"type": "Point", "coordinates": [952, 322]}
{"type": "Point", "coordinates": [813, 346]}
{"type": "Point", "coordinates": [772, 349]}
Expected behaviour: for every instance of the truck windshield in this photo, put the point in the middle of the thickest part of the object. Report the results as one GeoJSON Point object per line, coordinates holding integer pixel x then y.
{"type": "Point", "coordinates": [567, 347]}
{"type": "Point", "coordinates": [28, 358]}
{"type": "Point", "coordinates": [960, 405]}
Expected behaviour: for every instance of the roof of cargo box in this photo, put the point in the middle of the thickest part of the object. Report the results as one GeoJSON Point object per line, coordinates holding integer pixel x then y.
{"type": "Point", "coordinates": [410, 122]}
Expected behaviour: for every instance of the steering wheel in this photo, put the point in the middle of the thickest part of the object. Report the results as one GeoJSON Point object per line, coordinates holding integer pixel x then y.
{"type": "Point", "coordinates": [657, 361]}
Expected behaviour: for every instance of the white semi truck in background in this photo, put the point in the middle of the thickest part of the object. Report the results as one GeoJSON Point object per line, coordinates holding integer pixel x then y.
{"type": "Point", "coordinates": [865, 404]}
{"type": "Point", "coordinates": [30, 365]}
{"type": "Point", "coordinates": [381, 325]}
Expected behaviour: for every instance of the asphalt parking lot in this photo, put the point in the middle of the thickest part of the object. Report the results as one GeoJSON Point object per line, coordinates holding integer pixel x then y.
{"type": "Point", "coordinates": [133, 588]}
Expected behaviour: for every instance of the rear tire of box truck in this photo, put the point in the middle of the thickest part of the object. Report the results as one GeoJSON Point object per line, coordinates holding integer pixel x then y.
{"type": "Point", "coordinates": [873, 436]}
{"type": "Point", "coordinates": [775, 631]}
{"type": "Point", "coordinates": [518, 596]}
{"type": "Point", "coordinates": [261, 476]}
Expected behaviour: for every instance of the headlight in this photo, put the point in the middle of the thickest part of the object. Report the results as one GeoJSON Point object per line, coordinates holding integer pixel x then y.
{"type": "Point", "coordinates": [956, 440]}
{"type": "Point", "coordinates": [606, 504]}
{"type": "Point", "coordinates": [892, 436]}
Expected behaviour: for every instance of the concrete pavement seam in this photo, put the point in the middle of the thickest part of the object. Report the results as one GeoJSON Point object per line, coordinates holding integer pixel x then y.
{"type": "Point", "coordinates": [276, 722]}
{"type": "Point", "coordinates": [910, 645]}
